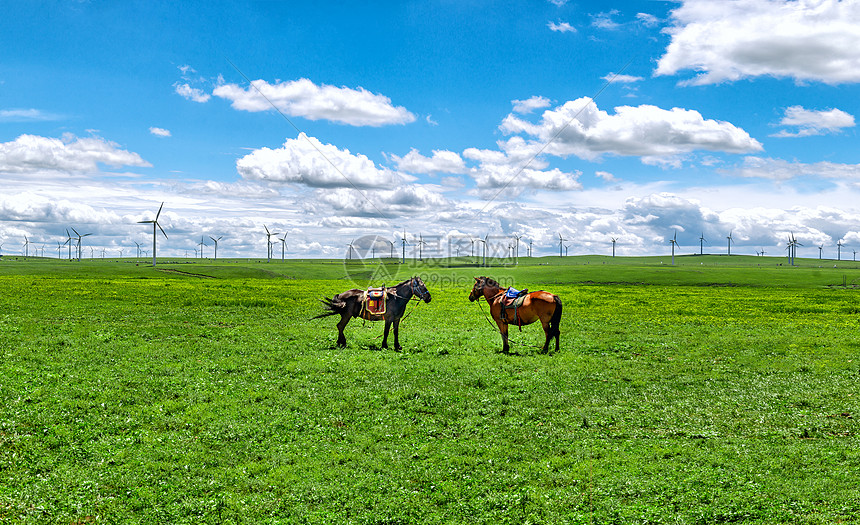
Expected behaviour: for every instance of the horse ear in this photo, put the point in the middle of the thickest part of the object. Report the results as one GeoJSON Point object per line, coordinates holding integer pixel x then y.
{"type": "Point", "coordinates": [476, 279]}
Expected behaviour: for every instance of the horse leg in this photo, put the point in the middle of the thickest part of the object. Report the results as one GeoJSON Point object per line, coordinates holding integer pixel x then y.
{"type": "Point", "coordinates": [341, 338]}
{"type": "Point", "coordinates": [503, 329]}
{"type": "Point", "coordinates": [385, 334]}
{"type": "Point", "coordinates": [547, 330]}
{"type": "Point", "coordinates": [397, 335]}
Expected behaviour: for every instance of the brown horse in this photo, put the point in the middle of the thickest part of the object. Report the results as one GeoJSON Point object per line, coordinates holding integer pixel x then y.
{"type": "Point", "coordinates": [349, 304]}
{"type": "Point", "coordinates": [537, 306]}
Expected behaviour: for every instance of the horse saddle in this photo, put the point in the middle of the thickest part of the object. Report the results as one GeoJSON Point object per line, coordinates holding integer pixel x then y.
{"type": "Point", "coordinates": [513, 298]}
{"type": "Point", "coordinates": [374, 300]}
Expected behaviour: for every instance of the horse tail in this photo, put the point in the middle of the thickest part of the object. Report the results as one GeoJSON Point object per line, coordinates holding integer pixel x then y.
{"type": "Point", "coordinates": [334, 306]}
{"type": "Point", "coordinates": [556, 318]}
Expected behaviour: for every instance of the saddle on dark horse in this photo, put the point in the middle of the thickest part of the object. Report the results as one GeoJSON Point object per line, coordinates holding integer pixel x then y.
{"type": "Point", "coordinates": [373, 301]}
{"type": "Point", "coordinates": [512, 298]}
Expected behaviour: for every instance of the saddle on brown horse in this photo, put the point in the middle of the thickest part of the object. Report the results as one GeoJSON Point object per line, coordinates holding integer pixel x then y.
{"type": "Point", "coordinates": [513, 298]}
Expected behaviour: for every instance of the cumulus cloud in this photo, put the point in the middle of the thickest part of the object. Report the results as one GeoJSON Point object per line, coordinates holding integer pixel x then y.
{"type": "Point", "coordinates": [306, 160]}
{"type": "Point", "coordinates": [303, 98]}
{"type": "Point", "coordinates": [404, 200]}
{"type": "Point", "coordinates": [561, 27]}
{"type": "Point", "coordinates": [524, 107]}
{"type": "Point", "coordinates": [442, 161]}
{"type": "Point", "coordinates": [807, 40]}
{"type": "Point", "coordinates": [580, 128]}
{"type": "Point", "coordinates": [29, 153]}
{"type": "Point", "coordinates": [159, 132]}
{"type": "Point", "coordinates": [191, 93]}
{"type": "Point", "coordinates": [516, 169]}
{"type": "Point", "coordinates": [810, 122]}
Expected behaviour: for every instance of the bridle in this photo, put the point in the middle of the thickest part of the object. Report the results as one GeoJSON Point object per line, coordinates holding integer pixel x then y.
{"type": "Point", "coordinates": [416, 290]}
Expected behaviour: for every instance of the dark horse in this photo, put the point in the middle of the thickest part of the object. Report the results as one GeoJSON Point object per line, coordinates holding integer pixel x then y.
{"type": "Point", "coordinates": [537, 306]}
{"type": "Point", "coordinates": [349, 304]}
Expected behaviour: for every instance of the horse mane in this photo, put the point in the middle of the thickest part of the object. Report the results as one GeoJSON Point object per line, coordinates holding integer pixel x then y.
{"type": "Point", "coordinates": [489, 281]}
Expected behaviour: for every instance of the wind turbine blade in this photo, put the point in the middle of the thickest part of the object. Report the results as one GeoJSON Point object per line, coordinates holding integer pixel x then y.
{"type": "Point", "coordinates": [159, 211]}
{"type": "Point", "coordinates": [160, 228]}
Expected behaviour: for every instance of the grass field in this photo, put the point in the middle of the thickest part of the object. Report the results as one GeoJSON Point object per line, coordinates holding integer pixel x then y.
{"type": "Point", "coordinates": [715, 390]}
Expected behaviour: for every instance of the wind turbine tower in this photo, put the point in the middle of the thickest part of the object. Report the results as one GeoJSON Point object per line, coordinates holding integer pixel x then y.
{"type": "Point", "coordinates": [283, 245]}
{"type": "Point", "coordinates": [216, 244]}
{"type": "Point", "coordinates": [269, 236]}
{"type": "Point", "coordinates": [674, 242]}
{"type": "Point", "coordinates": [702, 242]}
{"type": "Point", "coordinates": [613, 246]}
{"type": "Point", "coordinates": [561, 244]}
{"type": "Point", "coordinates": [839, 246]}
{"type": "Point", "coordinates": [729, 238]}
{"type": "Point", "coordinates": [155, 225]}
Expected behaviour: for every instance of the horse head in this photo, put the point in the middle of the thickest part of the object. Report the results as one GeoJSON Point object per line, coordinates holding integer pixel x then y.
{"type": "Point", "coordinates": [477, 290]}
{"type": "Point", "coordinates": [419, 289]}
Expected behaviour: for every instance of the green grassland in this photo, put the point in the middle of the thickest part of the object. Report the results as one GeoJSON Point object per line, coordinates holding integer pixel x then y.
{"type": "Point", "coordinates": [718, 389]}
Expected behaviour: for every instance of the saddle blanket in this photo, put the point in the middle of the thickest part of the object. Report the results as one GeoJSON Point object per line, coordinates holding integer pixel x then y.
{"type": "Point", "coordinates": [374, 301]}
{"type": "Point", "coordinates": [513, 293]}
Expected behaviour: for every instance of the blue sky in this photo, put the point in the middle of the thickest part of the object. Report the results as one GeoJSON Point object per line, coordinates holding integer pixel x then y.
{"type": "Point", "coordinates": [594, 120]}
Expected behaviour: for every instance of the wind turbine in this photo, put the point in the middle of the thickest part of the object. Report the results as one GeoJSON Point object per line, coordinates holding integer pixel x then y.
{"type": "Point", "coordinates": [201, 244]}
{"type": "Point", "coordinates": [59, 248]}
{"type": "Point", "coordinates": [155, 224]}
{"type": "Point", "coordinates": [269, 242]}
{"type": "Point", "coordinates": [484, 240]}
{"type": "Point", "coordinates": [613, 246]}
{"type": "Point", "coordinates": [138, 249]}
{"type": "Point", "coordinates": [820, 249]}
{"type": "Point", "coordinates": [349, 251]}
{"type": "Point", "coordinates": [839, 246]}
{"type": "Point", "coordinates": [517, 248]}
{"type": "Point", "coordinates": [216, 244]}
{"type": "Point", "coordinates": [421, 244]}
{"type": "Point", "coordinates": [283, 245]}
{"type": "Point", "coordinates": [69, 242]}
{"type": "Point", "coordinates": [403, 243]}
{"type": "Point", "coordinates": [79, 237]}
{"type": "Point", "coordinates": [530, 248]}
{"type": "Point", "coordinates": [566, 246]}
{"type": "Point", "coordinates": [560, 244]}
{"type": "Point", "coordinates": [26, 246]}
{"type": "Point", "coordinates": [702, 242]}
{"type": "Point", "coordinates": [674, 242]}
{"type": "Point", "coordinates": [730, 242]}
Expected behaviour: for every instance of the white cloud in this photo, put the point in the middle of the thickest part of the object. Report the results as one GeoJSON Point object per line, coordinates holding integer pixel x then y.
{"type": "Point", "coordinates": [648, 20]}
{"type": "Point", "coordinates": [779, 169]}
{"type": "Point", "coordinates": [528, 105]}
{"type": "Point", "coordinates": [811, 122]}
{"type": "Point", "coordinates": [191, 93]}
{"type": "Point", "coordinates": [30, 153]}
{"type": "Point", "coordinates": [808, 40]}
{"type": "Point", "coordinates": [605, 21]}
{"type": "Point", "coordinates": [159, 132]}
{"type": "Point", "coordinates": [605, 175]}
{"type": "Point", "coordinates": [622, 79]}
{"type": "Point", "coordinates": [442, 161]}
{"type": "Point", "coordinates": [558, 3]}
{"type": "Point", "coordinates": [27, 115]}
{"type": "Point", "coordinates": [657, 135]}
{"type": "Point", "coordinates": [561, 27]}
{"type": "Point", "coordinates": [303, 98]}
{"type": "Point", "coordinates": [305, 160]}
